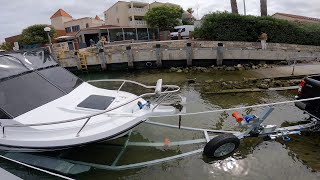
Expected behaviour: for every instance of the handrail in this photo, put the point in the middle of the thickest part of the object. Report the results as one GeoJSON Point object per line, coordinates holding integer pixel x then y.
{"type": "Point", "coordinates": [88, 117]}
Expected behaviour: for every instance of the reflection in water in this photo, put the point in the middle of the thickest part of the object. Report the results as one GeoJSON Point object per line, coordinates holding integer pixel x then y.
{"type": "Point", "coordinates": [231, 166]}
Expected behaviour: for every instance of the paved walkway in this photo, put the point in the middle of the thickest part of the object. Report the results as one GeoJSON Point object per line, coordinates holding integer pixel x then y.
{"type": "Point", "coordinates": [283, 71]}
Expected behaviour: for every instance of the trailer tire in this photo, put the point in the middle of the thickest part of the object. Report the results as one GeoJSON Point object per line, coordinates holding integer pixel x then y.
{"type": "Point", "coordinates": [221, 146]}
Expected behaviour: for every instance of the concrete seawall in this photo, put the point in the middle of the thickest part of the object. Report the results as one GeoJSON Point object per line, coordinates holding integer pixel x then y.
{"type": "Point", "coordinates": [195, 53]}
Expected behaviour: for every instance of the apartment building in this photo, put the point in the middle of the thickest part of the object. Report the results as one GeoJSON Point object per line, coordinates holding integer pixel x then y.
{"type": "Point", "coordinates": [63, 21]}
{"type": "Point", "coordinates": [130, 14]}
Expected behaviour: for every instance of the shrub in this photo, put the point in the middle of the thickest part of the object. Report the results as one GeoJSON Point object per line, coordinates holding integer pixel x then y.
{"type": "Point", "coordinates": [234, 27]}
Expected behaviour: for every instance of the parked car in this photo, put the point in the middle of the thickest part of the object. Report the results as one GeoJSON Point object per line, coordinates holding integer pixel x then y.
{"type": "Point", "coordinates": [184, 30]}
{"type": "Point", "coordinates": [309, 88]}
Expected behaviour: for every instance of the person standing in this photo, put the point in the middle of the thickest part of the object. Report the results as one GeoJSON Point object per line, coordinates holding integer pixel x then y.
{"type": "Point", "coordinates": [92, 43]}
{"type": "Point", "coordinates": [263, 38]}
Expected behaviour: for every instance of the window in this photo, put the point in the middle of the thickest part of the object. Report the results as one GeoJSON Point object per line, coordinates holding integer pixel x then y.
{"type": "Point", "coordinates": [3, 115]}
{"type": "Point", "coordinates": [75, 28]}
{"type": "Point", "coordinates": [62, 78]}
{"type": "Point", "coordinates": [183, 29]}
{"type": "Point", "coordinates": [87, 25]}
{"type": "Point", "coordinates": [68, 30]}
{"type": "Point", "coordinates": [25, 93]}
{"type": "Point", "coordinates": [10, 66]}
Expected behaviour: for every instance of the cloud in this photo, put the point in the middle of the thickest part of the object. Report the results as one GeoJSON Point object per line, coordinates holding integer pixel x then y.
{"type": "Point", "coordinates": [19, 14]}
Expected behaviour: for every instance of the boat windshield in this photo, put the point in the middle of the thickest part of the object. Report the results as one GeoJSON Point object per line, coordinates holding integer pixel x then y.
{"type": "Point", "coordinates": [31, 80]}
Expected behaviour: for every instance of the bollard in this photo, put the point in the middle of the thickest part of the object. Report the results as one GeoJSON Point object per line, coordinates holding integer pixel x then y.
{"type": "Point", "coordinates": [220, 54]}
{"type": "Point", "coordinates": [179, 35]}
{"type": "Point", "coordinates": [130, 57]}
{"type": "Point", "coordinates": [189, 54]}
{"type": "Point", "coordinates": [102, 59]}
{"type": "Point", "coordinates": [190, 35]}
{"type": "Point", "coordinates": [158, 55]}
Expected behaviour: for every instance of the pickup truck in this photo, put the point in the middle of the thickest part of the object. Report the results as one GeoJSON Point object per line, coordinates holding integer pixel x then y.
{"type": "Point", "coordinates": [309, 88]}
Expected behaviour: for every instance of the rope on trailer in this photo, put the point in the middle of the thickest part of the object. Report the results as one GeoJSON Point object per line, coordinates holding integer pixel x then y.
{"type": "Point", "coordinates": [35, 168]}
{"type": "Point", "coordinates": [238, 108]}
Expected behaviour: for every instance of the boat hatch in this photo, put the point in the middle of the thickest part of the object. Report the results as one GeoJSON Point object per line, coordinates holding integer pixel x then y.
{"type": "Point", "coordinates": [96, 102]}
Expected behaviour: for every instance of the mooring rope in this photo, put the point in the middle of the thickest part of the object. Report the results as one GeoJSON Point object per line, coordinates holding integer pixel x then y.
{"type": "Point", "coordinates": [238, 108]}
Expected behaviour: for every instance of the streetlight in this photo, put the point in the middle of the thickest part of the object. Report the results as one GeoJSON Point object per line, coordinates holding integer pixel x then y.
{"type": "Point", "coordinates": [47, 30]}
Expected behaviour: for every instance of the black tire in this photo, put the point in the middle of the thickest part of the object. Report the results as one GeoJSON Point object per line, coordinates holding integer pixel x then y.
{"type": "Point", "coordinates": [226, 139]}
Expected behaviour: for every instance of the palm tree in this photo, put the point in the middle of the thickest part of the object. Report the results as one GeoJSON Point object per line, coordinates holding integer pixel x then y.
{"type": "Point", "coordinates": [234, 6]}
{"type": "Point", "coordinates": [264, 7]}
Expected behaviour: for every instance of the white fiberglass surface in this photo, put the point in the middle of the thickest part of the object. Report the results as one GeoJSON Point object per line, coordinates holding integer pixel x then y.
{"type": "Point", "coordinates": [65, 108]}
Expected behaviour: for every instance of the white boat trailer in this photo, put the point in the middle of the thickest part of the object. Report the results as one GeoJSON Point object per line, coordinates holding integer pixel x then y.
{"type": "Point", "coordinates": [218, 143]}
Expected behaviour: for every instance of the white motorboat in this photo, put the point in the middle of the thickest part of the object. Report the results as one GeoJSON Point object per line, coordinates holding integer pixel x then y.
{"type": "Point", "coordinates": [45, 107]}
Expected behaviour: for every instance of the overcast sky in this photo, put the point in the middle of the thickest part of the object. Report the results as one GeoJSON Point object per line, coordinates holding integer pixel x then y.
{"type": "Point", "coordinates": [19, 14]}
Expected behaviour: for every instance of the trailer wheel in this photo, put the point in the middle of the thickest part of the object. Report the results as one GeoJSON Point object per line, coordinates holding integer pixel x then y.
{"type": "Point", "coordinates": [221, 146]}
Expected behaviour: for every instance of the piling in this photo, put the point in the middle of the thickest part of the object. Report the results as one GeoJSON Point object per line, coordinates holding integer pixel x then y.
{"type": "Point", "coordinates": [158, 55]}
{"type": "Point", "coordinates": [220, 54]}
{"type": "Point", "coordinates": [189, 54]}
{"type": "Point", "coordinates": [102, 59]}
{"type": "Point", "coordinates": [130, 57]}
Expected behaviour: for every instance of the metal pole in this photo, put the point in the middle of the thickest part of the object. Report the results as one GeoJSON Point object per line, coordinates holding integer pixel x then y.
{"type": "Point", "coordinates": [293, 68]}
{"type": "Point", "coordinates": [48, 33]}
{"type": "Point", "coordinates": [50, 43]}
{"type": "Point", "coordinates": [244, 7]}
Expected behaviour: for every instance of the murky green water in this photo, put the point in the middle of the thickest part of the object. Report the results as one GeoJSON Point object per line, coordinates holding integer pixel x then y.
{"type": "Point", "coordinates": [255, 159]}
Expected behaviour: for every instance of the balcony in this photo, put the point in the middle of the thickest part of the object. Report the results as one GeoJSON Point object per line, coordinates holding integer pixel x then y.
{"type": "Point", "coordinates": [136, 23]}
{"type": "Point", "coordinates": [137, 11]}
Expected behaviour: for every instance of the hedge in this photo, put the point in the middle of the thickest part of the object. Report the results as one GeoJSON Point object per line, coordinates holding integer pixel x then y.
{"type": "Point", "coordinates": [234, 27]}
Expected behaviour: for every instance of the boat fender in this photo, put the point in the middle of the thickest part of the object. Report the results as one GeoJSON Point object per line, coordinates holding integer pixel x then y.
{"type": "Point", "coordinates": [238, 118]}
{"type": "Point", "coordinates": [249, 118]}
{"type": "Point", "coordinates": [286, 139]}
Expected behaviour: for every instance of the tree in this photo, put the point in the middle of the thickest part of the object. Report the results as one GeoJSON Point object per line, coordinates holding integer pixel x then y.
{"type": "Point", "coordinates": [234, 6]}
{"type": "Point", "coordinates": [7, 46]}
{"type": "Point", "coordinates": [190, 10]}
{"type": "Point", "coordinates": [164, 17]}
{"type": "Point", "coordinates": [264, 7]}
{"type": "Point", "coordinates": [36, 35]}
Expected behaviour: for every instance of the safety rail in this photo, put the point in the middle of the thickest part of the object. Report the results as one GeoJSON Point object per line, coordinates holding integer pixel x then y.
{"type": "Point", "coordinates": [174, 88]}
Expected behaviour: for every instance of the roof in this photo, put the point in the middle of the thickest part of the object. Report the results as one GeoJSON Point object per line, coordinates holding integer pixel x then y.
{"type": "Point", "coordinates": [102, 27]}
{"type": "Point", "coordinates": [97, 17]}
{"type": "Point", "coordinates": [297, 16]}
{"type": "Point", "coordinates": [60, 33]}
{"type": "Point", "coordinates": [61, 13]}
{"type": "Point", "coordinates": [71, 33]}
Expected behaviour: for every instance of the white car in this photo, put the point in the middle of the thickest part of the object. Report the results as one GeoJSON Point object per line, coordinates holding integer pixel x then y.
{"type": "Point", "coordinates": [184, 30]}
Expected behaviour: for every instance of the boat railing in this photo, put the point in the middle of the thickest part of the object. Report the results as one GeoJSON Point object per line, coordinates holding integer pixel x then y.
{"type": "Point", "coordinates": [170, 89]}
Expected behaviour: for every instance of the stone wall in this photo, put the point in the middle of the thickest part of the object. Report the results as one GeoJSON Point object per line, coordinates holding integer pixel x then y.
{"type": "Point", "coordinates": [201, 53]}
